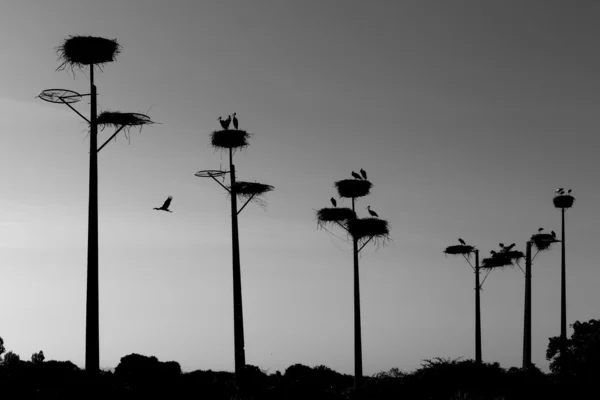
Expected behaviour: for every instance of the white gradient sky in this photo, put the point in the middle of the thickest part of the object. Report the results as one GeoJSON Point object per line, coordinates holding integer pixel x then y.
{"type": "Point", "coordinates": [465, 114]}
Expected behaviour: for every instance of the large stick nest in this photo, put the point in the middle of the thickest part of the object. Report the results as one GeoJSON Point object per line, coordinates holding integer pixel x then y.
{"type": "Point", "coordinates": [543, 241]}
{"type": "Point", "coordinates": [502, 259]}
{"type": "Point", "coordinates": [79, 51]}
{"type": "Point", "coordinates": [563, 201]}
{"type": "Point", "coordinates": [460, 249]}
{"type": "Point", "coordinates": [367, 228]}
{"type": "Point", "coordinates": [352, 188]}
{"type": "Point", "coordinates": [118, 119]}
{"type": "Point", "coordinates": [230, 139]}
{"type": "Point", "coordinates": [334, 215]}
{"type": "Point", "coordinates": [253, 190]}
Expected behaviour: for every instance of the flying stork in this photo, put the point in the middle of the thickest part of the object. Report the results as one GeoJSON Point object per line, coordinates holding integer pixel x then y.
{"type": "Point", "coordinates": [462, 242]}
{"type": "Point", "coordinates": [333, 202]}
{"type": "Point", "coordinates": [355, 175]}
{"type": "Point", "coordinates": [373, 213]}
{"type": "Point", "coordinates": [363, 173]}
{"type": "Point", "coordinates": [235, 121]}
{"type": "Point", "coordinates": [165, 206]}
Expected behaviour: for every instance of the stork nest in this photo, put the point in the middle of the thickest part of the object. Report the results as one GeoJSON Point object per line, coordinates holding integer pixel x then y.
{"type": "Point", "coordinates": [230, 139]}
{"type": "Point", "coordinates": [251, 190]}
{"type": "Point", "coordinates": [352, 188]}
{"type": "Point", "coordinates": [563, 201]}
{"type": "Point", "coordinates": [502, 259]}
{"type": "Point", "coordinates": [79, 51]}
{"type": "Point", "coordinates": [334, 215]}
{"type": "Point", "coordinates": [460, 249]}
{"type": "Point", "coordinates": [543, 241]}
{"type": "Point", "coordinates": [118, 119]}
{"type": "Point", "coordinates": [369, 228]}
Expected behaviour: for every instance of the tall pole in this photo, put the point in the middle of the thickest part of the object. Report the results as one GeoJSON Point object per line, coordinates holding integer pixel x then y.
{"type": "Point", "coordinates": [357, 332]}
{"type": "Point", "coordinates": [477, 311]}
{"type": "Point", "coordinates": [238, 319]}
{"type": "Point", "coordinates": [527, 312]}
{"type": "Point", "coordinates": [563, 300]}
{"type": "Point", "coordinates": [92, 335]}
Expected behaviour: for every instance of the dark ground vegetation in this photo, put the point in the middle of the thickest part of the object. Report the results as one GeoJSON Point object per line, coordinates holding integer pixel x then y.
{"type": "Point", "coordinates": [139, 376]}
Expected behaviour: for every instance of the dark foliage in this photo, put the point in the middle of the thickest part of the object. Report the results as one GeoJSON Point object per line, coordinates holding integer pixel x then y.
{"type": "Point", "coordinates": [583, 352]}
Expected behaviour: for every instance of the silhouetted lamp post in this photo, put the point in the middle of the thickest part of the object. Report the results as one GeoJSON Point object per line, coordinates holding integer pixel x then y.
{"type": "Point", "coordinates": [541, 242]}
{"type": "Point", "coordinates": [361, 231]}
{"type": "Point", "coordinates": [466, 251]}
{"type": "Point", "coordinates": [232, 140]}
{"type": "Point", "coordinates": [79, 52]}
{"type": "Point", "coordinates": [564, 202]}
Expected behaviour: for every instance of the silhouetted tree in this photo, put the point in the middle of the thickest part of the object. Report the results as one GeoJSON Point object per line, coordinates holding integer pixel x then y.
{"type": "Point", "coordinates": [582, 356]}
{"type": "Point", "coordinates": [11, 358]}
{"type": "Point", "coordinates": [38, 358]}
{"type": "Point", "coordinates": [2, 349]}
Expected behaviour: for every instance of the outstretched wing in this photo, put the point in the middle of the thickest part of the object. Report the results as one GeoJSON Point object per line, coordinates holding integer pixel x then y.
{"type": "Point", "coordinates": [167, 202]}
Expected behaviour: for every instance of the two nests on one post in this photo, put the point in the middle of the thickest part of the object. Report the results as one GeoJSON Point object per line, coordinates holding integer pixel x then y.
{"type": "Point", "coordinates": [361, 229]}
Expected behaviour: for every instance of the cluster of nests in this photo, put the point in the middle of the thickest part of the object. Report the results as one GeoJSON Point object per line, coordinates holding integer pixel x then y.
{"type": "Point", "coordinates": [505, 256]}
{"type": "Point", "coordinates": [361, 229]}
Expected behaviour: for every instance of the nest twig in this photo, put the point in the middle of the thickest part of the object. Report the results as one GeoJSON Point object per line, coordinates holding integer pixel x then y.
{"type": "Point", "coordinates": [334, 215]}
{"type": "Point", "coordinates": [352, 188]}
{"type": "Point", "coordinates": [460, 249]}
{"type": "Point", "coordinates": [230, 139]}
{"type": "Point", "coordinates": [543, 241]}
{"type": "Point", "coordinates": [80, 51]}
{"type": "Point", "coordinates": [563, 201]}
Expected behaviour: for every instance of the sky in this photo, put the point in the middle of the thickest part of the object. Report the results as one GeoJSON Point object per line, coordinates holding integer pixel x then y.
{"type": "Point", "coordinates": [466, 115]}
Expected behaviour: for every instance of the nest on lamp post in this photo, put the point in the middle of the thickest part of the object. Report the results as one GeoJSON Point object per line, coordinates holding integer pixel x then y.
{"type": "Point", "coordinates": [563, 201]}
{"type": "Point", "coordinates": [460, 249]}
{"type": "Point", "coordinates": [252, 190]}
{"type": "Point", "coordinates": [363, 229]}
{"type": "Point", "coordinates": [334, 216]}
{"type": "Point", "coordinates": [229, 139]}
{"type": "Point", "coordinates": [352, 188]}
{"type": "Point", "coordinates": [543, 241]}
{"type": "Point", "coordinates": [502, 259]}
{"type": "Point", "coordinates": [126, 120]}
{"type": "Point", "coordinates": [79, 51]}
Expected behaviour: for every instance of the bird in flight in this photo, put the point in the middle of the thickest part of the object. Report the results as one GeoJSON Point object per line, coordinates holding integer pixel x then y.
{"type": "Point", "coordinates": [355, 175]}
{"type": "Point", "coordinates": [333, 202]}
{"type": "Point", "coordinates": [235, 121]}
{"type": "Point", "coordinates": [165, 206]}
{"type": "Point", "coordinates": [373, 213]}
{"type": "Point", "coordinates": [363, 173]}
{"type": "Point", "coordinates": [225, 123]}
{"type": "Point", "coordinates": [461, 241]}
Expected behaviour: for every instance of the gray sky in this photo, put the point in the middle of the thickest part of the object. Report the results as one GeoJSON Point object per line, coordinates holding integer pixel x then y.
{"type": "Point", "coordinates": [465, 114]}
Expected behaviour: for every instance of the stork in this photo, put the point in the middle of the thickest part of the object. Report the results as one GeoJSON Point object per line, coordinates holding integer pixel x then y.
{"type": "Point", "coordinates": [509, 248]}
{"type": "Point", "coordinates": [501, 245]}
{"type": "Point", "coordinates": [363, 173]}
{"type": "Point", "coordinates": [224, 122]}
{"type": "Point", "coordinates": [235, 121]}
{"type": "Point", "coordinates": [569, 191]}
{"type": "Point", "coordinates": [492, 252]}
{"type": "Point", "coordinates": [540, 230]}
{"type": "Point", "coordinates": [559, 190]}
{"type": "Point", "coordinates": [462, 242]}
{"type": "Point", "coordinates": [333, 202]}
{"type": "Point", "coordinates": [553, 234]}
{"type": "Point", "coordinates": [355, 175]}
{"type": "Point", "coordinates": [373, 213]}
{"type": "Point", "coordinates": [165, 206]}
